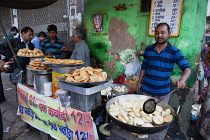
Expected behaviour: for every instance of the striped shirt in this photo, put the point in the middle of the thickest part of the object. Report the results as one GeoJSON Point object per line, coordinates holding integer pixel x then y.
{"type": "Point", "coordinates": [51, 48]}
{"type": "Point", "coordinates": [159, 67]}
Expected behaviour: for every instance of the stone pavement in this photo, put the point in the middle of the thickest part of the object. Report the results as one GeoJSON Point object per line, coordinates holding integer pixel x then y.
{"type": "Point", "coordinates": [17, 129]}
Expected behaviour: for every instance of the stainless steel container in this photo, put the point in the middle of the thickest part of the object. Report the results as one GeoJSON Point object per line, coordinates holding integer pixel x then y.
{"type": "Point", "coordinates": [29, 77]}
{"type": "Point", "coordinates": [40, 77]}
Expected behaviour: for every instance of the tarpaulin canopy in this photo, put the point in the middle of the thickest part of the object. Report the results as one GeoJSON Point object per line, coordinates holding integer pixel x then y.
{"type": "Point", "coordinates": [26, 4]}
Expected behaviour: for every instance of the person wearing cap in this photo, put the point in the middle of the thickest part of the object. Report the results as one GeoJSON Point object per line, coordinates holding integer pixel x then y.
{"type": "Point", "coordinates": [37, 40]}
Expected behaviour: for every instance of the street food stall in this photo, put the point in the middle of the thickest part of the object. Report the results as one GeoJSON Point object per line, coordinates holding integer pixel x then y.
{"type": "Point", "coordinates": [65, 107]}
{"type": "Point", "coordinates": [40, 107]}
{"type": "Point", "coordinates": [64, 95]}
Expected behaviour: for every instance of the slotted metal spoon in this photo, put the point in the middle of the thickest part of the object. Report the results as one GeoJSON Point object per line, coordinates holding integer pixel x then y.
{"type": "Point", "coordinates": [149, 105]}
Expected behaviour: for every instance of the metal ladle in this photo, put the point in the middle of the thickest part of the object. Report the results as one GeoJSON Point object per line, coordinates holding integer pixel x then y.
{"type": "Point", "coordinates": [149, 106]}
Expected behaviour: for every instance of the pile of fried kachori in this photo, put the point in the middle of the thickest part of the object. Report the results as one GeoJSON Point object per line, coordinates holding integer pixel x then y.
{"type": "Point", "coordinates": [86, 74]}
{"type": "Point", "coordinates": [63, 61]}
{"type": "Point", "coordinates": [36, 64]}
{"type": "Point", "coordinates": [130, 111]}
{"type": "Point", "coordinates": [30, 53]}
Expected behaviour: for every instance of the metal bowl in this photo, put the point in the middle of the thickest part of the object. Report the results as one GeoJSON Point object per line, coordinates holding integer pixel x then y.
{"type": "Point", "coordinates": [114, 93]}
{"type": "Point", "coordinates": [62, 65]}
{"type": "Point", "coordinates": [40, 71]}
{"type": "Point", "coordinates": [64, 70]}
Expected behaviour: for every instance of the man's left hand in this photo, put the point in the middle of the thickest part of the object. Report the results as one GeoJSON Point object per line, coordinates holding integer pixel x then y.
{"type": "Point", "coordinates": [180, 84]}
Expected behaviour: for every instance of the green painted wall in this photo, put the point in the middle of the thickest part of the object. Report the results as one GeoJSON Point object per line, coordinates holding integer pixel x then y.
{"type": "Point", "coordinates": [189, 41]}
{"type": "Point", "coordinates": [131, 29]}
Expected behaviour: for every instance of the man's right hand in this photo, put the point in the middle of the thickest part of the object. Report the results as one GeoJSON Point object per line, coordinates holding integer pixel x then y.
{"type": "Point", "coordinates": [138, 87]}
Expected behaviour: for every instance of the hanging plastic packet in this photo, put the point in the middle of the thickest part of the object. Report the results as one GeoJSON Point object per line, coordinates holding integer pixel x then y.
{"type": "Point", "coordinates": [195, 112]}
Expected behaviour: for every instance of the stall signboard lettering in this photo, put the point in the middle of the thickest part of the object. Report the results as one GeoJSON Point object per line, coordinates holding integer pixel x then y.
{"type": "Point", "coordinates": [49, 116]}
{"type": "Point", "coordinates": [167, 11]}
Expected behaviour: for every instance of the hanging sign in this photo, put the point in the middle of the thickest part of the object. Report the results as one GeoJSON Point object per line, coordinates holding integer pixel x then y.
{"type": "Point", "coordinates": [47, 115]}
{"type": "Point", "coordinates": [166, 11]}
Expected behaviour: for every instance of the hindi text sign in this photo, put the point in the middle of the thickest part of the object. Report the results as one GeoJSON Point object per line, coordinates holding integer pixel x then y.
{"type": "Point", "coordinates": [167, 11]}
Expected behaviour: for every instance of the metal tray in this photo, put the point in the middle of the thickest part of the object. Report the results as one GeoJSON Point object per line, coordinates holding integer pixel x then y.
{"type": "Point", "coordinates": [42, 59]}
{"type": "Point", "coordinates": [31, 56]}
{"type": "Point", "coordinates": [40, 71]}
{"type": "Point", "coordinates": [62, 65]}
{"type": "Point", "coordinates": [84, 84]}
{"type": "Point", "coordinates": [84, 90]}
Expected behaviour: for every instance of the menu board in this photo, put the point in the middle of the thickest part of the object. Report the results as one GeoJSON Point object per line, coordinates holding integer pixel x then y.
{"type": "Point", "coordinates": [167, 11]}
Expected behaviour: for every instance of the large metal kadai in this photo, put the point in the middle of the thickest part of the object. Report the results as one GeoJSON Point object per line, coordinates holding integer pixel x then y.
{"type": "Point", "coordinates": [139, 129]}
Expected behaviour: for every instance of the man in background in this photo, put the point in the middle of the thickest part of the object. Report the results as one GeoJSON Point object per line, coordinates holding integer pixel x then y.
{"type": "Point", "coordinates": [37, 40]}
{"type": "Point", "coordinates": [12, 34]}
{"type": "Point", "coordinates": [81, 51]}
{"type": "Point", "coordinates": [24, 41]}
{"type": "Point", "coordinates": [52, 45]}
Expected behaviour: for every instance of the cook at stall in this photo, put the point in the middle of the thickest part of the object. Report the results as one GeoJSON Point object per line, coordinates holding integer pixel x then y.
{"type": "Point", "coordinates": [158, 64]}
{"type": "Point", "coordinates": [81, 51]}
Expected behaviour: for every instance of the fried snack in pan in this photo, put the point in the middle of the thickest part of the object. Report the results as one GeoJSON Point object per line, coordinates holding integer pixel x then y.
{"type": "Point", "coordinates": [130, 111]}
